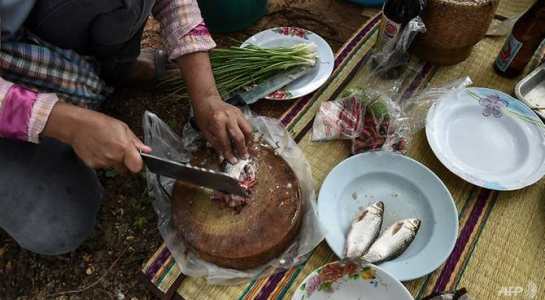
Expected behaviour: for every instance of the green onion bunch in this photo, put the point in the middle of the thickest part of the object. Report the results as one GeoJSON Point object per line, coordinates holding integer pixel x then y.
{"type": "Point", "coordinates": [237, 68]}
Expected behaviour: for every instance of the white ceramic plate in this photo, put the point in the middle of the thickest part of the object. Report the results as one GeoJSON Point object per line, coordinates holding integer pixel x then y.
{"type": "Point", "coordinates": [349, 280]}
{"type": "Point", "coordinates": [487, 138]}
{"type": "Point", "coordinates": [289, 36]}
{"type": "Point", "coordinates": [408, 190]}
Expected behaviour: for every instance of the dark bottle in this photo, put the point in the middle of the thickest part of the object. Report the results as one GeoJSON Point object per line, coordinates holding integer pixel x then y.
{"type": "Point", "coordinates": [396, 14]}
{"type": "Point", "coordinates": [528, 33]}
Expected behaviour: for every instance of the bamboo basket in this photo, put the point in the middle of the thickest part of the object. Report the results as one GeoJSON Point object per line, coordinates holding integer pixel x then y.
{"type": "Point", "coordinates": [453, 28]}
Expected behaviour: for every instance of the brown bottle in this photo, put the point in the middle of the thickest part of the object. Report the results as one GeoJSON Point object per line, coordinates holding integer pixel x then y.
{"type": "Point", "coordinates": [527, 35]}
{"type": "Point", "coordinates": [396, 14]}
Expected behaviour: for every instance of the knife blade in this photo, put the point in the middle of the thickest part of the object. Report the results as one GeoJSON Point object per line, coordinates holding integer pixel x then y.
{"type": "Point", "coordinates": [270, 85]}
{"type": "Point", "coordinates": [198, 176]}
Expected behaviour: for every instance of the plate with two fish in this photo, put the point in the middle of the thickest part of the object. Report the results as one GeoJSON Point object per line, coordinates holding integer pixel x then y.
{"type": "Point", "coordinates": [400, 215]}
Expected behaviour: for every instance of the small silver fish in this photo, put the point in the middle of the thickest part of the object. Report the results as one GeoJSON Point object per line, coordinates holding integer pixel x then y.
{"type": "Point", "coordinates": [245, 171]}
{"type": "Point", "coordinates": [393, 241]}
{"type": "Point", "coordinates": [236, 169]}
{"type": "Point", "coordinates": [364, 230]}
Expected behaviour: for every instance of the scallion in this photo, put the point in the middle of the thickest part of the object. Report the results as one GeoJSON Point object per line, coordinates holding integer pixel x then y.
{"type": "Point", "coordinates": [236, 68]}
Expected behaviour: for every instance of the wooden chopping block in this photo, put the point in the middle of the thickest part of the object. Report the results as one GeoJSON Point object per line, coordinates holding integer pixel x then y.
{"type": "Point", "coordinates": [262, 229]}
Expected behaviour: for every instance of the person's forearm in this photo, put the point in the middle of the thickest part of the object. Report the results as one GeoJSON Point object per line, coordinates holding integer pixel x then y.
{"type": "Point", "coordinates": [62, 121]}
{"type": "Point", "coordinates": [197, 74]}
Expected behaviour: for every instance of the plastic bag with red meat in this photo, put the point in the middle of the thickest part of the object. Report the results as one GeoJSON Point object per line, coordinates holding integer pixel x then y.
{"type": "Point", "coordinates": [339, 119]}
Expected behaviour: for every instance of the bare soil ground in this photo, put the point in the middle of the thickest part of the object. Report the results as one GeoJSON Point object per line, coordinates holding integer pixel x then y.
{"type": "Point", "coordinates": [105, 267]}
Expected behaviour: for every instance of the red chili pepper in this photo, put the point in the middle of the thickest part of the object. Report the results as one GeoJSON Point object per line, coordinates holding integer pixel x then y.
{"type": "Point", "coordinates": [374, 133]}
{"type": "Point", "coordinates": [365, 133]}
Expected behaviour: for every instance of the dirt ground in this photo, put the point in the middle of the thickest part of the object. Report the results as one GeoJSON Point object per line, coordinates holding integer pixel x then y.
{"type": "Point", "coordinates": [106, 265]}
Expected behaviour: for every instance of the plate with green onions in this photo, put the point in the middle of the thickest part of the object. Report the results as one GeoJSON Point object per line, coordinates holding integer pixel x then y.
{"type": "Point", "coordinates": [263, 55]}
{"type": "Point", "coordinates": [288, 47]}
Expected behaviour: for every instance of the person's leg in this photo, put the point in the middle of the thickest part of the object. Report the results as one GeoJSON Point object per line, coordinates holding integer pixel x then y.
{"type": "Point", "coordinates": [48, 198]}
{"type": "Point", "coordinates": [110, 30]}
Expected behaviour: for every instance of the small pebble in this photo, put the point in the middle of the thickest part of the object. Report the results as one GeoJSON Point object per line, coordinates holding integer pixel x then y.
{"type": "Point", "coordinates": [354, 196]}
{"type": "Point", "coordinates": [90, 270]}
{"type": "Point", "coordinates": [9, 266]}
{"type": "Point", "coordinates": [87, 257]}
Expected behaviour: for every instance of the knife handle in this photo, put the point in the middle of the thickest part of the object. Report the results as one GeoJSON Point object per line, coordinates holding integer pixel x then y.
{"type": "Point", "coordinates": [234, 100]}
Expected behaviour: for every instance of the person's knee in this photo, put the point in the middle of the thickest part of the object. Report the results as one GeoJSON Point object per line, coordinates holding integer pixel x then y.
{"type": "Point", "coordinates": [59, 236]}
{"type": "Point", "coordinates": [48, 198]}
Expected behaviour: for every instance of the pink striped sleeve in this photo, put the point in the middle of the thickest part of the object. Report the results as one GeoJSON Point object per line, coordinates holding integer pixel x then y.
{"type": "Point", "coordinates": [40, 113]}
{"type": "Point", "coordinates": [23, 113]}
{"type": "Point", "coordinates": [182, 27]}
{"type": "Point", "coordinates": [5, 86]}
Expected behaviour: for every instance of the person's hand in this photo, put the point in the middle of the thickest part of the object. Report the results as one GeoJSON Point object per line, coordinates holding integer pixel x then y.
{"type": "Point", "coordinates": [100, 141]}
{"type": "Point", "coordinates": [224, 126]}
{"type": "Point", "coordinates": [104, 142]}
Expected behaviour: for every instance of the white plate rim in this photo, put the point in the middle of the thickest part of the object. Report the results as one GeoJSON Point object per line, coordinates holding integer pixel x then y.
{"type": "Point", "coordinates": [468, 176]}
{"type": "Point", "coordinates": [325, 62]}
{"type": "Point", "coordinates": [387, 274]}
{"type": "Point", "coordinates": [451, 203]}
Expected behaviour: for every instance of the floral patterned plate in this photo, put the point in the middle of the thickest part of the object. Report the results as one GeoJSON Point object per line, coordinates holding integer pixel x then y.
{"type": "Point", "coordinates": [288, 36]}
{"type": "Point", "coordinates": [349, 280]}
{"type": "Point", "coordinates": [488, 138]}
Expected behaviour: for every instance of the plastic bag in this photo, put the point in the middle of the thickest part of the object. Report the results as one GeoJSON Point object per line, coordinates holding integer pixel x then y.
{"type": "Point", "coordinates": [502, 28]}
{"type": "Point", "coordinates": [460, 294]}
{"type": "Point", "coordinates": [415, 108]}
{"type": "Point", "coordinates": [383, 127]}
{"type": "Point", "coordinates": [340, 119]}
{"type": "Point", "coordinates": [375, 122]}
{"type": "Point", "coordinates": [382, 69]}
{"type": "Point", "coordinates": [166, 143]}
{"type": "Point", "coordinates": [371, 111]}
{"type": "Point", "coordinates": [391, 58]}
{"type": "Point", "coordinates": [389, 125]}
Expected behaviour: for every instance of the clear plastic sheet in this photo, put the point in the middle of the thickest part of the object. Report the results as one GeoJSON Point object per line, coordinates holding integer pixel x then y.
{"type": "Point", "coordinates": [165, 143]}
{"type": "Point", "coordinates": [371, 111]}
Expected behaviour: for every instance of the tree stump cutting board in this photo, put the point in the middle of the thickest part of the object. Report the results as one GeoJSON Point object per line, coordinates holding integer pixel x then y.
{"type": "Point", "coordinates": [259, 232]}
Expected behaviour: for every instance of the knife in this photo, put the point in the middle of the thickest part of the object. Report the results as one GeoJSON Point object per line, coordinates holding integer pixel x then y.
{"type": "Point", "coordinates": [198, 176]}
{"type": "Point", "coordinates": [272, 84]}
{"type": "Point", "coordinates": [269, 86]}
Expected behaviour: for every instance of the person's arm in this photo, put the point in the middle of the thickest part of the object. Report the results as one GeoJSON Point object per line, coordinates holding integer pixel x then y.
{"type": "Point", "coordinates": [188, 41]}
{"type": "Point", "coordinates": [223, 125]}
{"type": "Point", "coordinates": [100, 141]}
